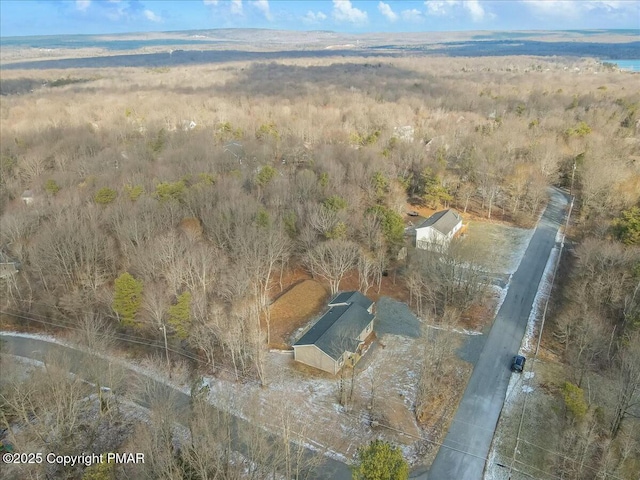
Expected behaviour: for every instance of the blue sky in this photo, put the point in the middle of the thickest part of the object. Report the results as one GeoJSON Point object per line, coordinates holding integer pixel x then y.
{"type": "Point", "coordinates": [53, 17]}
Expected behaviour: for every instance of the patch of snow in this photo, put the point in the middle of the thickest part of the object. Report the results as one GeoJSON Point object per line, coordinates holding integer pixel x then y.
{"type": "Point", "coordinates": [463, 331]}
{"type": "Point", "coordinates": [146, 370]}
{"type": "Point", "coordinates": [341, 429]}
{"type": "Point", "coordinates": [559, 236]}
{"type": "Point", "coordinates": [502, 294]}
{"type": "Point", "coordinates": [493, 471]}
{"type": "Point", "coordinates": [26, 361]}
{"type": "Point", "coordinates": [544, 289]}
{"type": "Point", "coordinates": [36, 336]}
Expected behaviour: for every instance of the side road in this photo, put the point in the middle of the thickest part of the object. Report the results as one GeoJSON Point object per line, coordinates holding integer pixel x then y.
{"type": "Point", "coordinates": [37, 349]}
{"type": "Point", "coordinates": [467, 443]}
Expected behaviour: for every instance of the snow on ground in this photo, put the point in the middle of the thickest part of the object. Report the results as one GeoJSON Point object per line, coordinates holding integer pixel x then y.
{"type": "Point", "coordinates": [539, 302]}
{"type": "Point", "coordinates": [384, 389]}
{"type": "Point", "coordinates": [521, 384]}
{"type": "Point", "coordinates": [462, 331]}
{"type": "Point", "coordinates": [130, 410]}
{"type": "Point", "coordinates": [36, 336]}
{"type": "Point", "coordinates": [502, 294]}
{"type": "Point", "coordinates": [145, 366]}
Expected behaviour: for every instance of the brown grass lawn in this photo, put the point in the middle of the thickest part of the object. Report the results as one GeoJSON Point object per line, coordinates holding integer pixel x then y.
{"type": "Point", "coordinates": [294, 308]}
{"type": "Point", "coordinates": [479, 316]}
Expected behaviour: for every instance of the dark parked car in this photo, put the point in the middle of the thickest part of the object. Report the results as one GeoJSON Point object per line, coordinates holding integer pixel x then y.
{"type": "Point", "coordinates": [517, 365]}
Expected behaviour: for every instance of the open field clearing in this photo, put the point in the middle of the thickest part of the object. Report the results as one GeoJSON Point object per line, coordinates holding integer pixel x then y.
{"type": "Point", "coordinates": [499, 247]}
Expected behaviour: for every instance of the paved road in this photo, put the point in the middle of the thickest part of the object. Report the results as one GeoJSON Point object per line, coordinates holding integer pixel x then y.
{"type": "Point", "coordinates": [469, 438]}
{"type": "Point", "coordinates": [38, 349]}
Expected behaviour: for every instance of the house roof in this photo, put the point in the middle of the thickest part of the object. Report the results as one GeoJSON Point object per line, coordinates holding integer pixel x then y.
{"type": "Point", "coordinates": [351, 297]}
{"type": "Point", "coordinates": [443, 221]}
{"type": "Point", "coordinates": [337, 330]}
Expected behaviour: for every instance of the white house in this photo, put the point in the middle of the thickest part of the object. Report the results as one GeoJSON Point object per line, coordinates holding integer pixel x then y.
{"type": "Point", "coordinates": [438, 229]}
{"type": "Point", "coordinates": [27, 197]}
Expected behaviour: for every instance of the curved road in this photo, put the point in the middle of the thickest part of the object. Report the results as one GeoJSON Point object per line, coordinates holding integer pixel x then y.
{"type": "Point", "coordinates": [38, 349]}
{"type": "Point", "coordinates": [466, 446]}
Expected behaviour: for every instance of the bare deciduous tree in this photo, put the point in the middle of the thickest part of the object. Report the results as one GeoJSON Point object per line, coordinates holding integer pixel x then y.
{"type": "Point", "coordinates": [332, 260]}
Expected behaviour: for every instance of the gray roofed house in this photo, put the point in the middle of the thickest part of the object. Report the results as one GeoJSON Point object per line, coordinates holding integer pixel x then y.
{"type": "Point", "coordinates": [338, 335]}
{"type": "Point", "coordinates": [351, 297]}
{"type": "Point", "coordinates": [438, 229]}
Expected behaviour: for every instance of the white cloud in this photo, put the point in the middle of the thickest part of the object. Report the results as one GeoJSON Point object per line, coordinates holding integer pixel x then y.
{"type": "Point", "coordinates": [386, 10]}
{"type": "Point", "coordinates": [560, 8]}
{"type": "Point", "coordinates": [210, 2]}
{"type": "Point", "coordinates": [441, 8]}
{"type": "Point", "coordinates": [312, 17]}
{"type": "Point", "coordinates": [343, 11]}
{"type": "Point", "coordinates": [236, 7]}
{"type": "Point", "coordinates": [263, 6]}
{"type": "Point", "coordinates": [152, 17]}
{"type": "Point", "coordinates": [414, 15]}
{"type": "Point", "coordinates": [82, 5]}
{"type": "Point", "coordinates": [475, 9]}
{"type": "Point", "coordinates": [572, 9]}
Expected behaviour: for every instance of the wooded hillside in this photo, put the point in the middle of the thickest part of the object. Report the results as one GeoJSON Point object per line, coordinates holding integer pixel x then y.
{"type": "Point", "coordinates": [174, 198]}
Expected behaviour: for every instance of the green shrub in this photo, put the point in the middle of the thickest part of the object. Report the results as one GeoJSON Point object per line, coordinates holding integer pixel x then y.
{"type": "Point", "coordinates": [105, 195]}
{"type": "Point", "coordinates": [627, 226]}
{"type": "Point", "coordinates": [51, 187]}
{"type": "Point", "coordinates": [265, 175]}
{"type": "Point", "coordinates": [134, 191]}
{"type": "Point", "coordinates": [170, 190]}
{"type": "Point", "coordinates": [335, 203]}
{"type": "Point", "coordinates": [127, 297]}
{"type": "Point", "coordinates": [392, 224]}
{"type": "Point", "coordinates": [380, 461]}
{"type": "Point", "coordinates": [574, 400]}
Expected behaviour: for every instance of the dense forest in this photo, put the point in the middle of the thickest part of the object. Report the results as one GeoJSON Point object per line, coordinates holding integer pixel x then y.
{"type": "Point", "coordinates": [147, 200]}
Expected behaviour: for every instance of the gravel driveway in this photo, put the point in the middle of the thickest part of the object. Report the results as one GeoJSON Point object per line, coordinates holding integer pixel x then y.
{"type": "Point", "coordinates": [395, 318]}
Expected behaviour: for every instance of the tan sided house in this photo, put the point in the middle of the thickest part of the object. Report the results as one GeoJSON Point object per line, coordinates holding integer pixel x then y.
{"type": "Point", "coordinates": [338, 335]}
